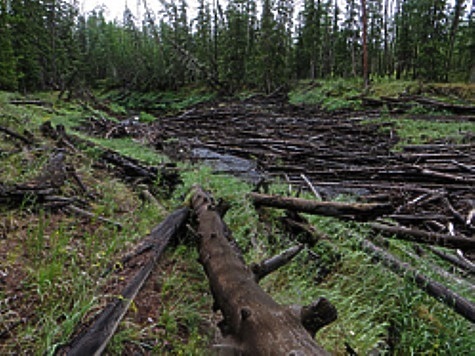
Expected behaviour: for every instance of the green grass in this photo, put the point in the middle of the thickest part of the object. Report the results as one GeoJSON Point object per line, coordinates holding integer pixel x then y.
{"type": "Point", "coordinates": [329, 94]}
{"type": "Point", "coordinates": [343, 94]}
{"type": "Point", "coordinates": [131, 148]}
{"type": "Point", "coordinates": [417, 131]}
{"type": "Point", "coordinates": [63, 258]}
{"type": "Point", "coordinates": [168, 101]}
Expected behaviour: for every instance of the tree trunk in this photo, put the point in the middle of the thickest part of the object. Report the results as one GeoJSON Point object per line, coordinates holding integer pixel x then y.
{"type": "Point", "coordinates": [459, 304]}
{"type": "Point", "coordinates": [453, 33]}
{"type": "Point", "coordinates": [355, 211]}
{"type": "Point", "coordinates": [253, 324]}
{"type": "Point", "coordinates": [365, 45]}
{"type": "Point", "coordinates": [425, 237]}
{"type": "Point", "coordinates": [95, 339]}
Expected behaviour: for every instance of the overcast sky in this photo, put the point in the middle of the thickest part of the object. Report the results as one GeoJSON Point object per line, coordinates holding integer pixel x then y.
{"type": "Point", "coordinates": [116, 7]}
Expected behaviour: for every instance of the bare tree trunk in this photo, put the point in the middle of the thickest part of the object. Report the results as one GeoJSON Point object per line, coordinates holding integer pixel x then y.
{"type": "Point", "coordinates": [365, 45]}
{"type": "Point", "coordinates": [453, 33]}
{"type": "Point", "coordinates": [253, 324]}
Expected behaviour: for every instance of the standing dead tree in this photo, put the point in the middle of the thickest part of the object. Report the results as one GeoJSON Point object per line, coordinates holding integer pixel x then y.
{"type": "Point", "coordinates": [253, 323]}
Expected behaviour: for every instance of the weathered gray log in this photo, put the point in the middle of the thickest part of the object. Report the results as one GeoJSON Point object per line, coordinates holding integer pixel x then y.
{"type": "Point", "coordinates": [95, 339]}
{"type": "Point", "coordinates": [437, 290]}
{"type": "Point", "coordinates": [453, 259]}
{"type": "Point", "coordinates": [253, 324]}
{"type": "Point", "coordinates": [425, 237]}
{"type": "Point", "coordinates": [354, 211]}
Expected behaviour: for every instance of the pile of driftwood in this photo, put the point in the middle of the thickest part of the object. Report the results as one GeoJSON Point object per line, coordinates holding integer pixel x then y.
{"type": "Point", "coordinates": [429, 185]}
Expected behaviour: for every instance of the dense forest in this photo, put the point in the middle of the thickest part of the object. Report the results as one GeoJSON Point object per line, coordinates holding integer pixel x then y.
{"type": "Point", "coordinates": [264, 45]}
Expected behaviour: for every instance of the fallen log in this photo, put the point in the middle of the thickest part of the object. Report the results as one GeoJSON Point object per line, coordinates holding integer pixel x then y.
{"type": "Point", "coordinates": [94, 340]}
{"type": "Point", "coordinates": [425, 237]}
{"type": "Point", "coordinates": [31, 102]}
{"type": "Point", "coordinates": [353, 211]}
{"type": "Point", "coordinates": [253, 323]}
{"type": "Point", "coordinates": [37, 191]}
{"type": "Point", "coordinates": [455, 260]}
{"type": "Point", "coordinates": [437, 290]}
{"type": "Point", "coordinates": [16, 135]}
{"type": "Point", "coordinates": [438, 105]}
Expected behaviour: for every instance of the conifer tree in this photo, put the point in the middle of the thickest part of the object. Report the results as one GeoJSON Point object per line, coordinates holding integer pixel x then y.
{"type": "Point", "coordinates": [8, 75]}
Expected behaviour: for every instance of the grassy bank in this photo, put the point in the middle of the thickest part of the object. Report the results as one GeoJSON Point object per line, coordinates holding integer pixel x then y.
{"type": "Point", "coordinates": [53, 264]}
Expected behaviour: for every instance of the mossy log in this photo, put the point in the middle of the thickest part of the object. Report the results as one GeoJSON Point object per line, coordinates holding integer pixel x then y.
{"type": "Point", "coordinates": [253, 323]}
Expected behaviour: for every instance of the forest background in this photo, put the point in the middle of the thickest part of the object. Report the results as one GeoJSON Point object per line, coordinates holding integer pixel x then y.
{"type": "Point", "coordinates": [239, 44]}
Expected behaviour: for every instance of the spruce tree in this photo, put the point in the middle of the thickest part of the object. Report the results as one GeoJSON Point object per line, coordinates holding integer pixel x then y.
{"type": "Point", "coordinates": [8, 76]}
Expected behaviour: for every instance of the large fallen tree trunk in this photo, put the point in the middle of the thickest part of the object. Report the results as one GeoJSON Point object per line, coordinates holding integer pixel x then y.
{"type": "Point", "coordinates": [459, 304]}
{"type": "Point", "coordinates": [253, 324]}
{"type": "Point", "coordinates": [354, 211]}
{"type": "Point", "coordinates": [94, 340]}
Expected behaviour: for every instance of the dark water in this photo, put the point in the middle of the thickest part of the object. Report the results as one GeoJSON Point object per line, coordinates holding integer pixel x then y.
{"type": "Point", "coordinates": [226, 163]}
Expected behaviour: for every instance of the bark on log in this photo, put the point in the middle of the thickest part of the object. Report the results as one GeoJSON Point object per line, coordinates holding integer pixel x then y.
{"type": "Point", "coordinates": [355, 211]}
{"type": "Point", "coordinates": [95, 339]}
{"type": "Point", "coordinates": [420, 236]}
{"type": "Point", "coordinates": [455, 260]}
{"type": "Point", "coordinates": [437, 290]}
{"type": "Point", "coordinates": [253, 324]}
{"type": "Point", "coordinates": [272, 264]}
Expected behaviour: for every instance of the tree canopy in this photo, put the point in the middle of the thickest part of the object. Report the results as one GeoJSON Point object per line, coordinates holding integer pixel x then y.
{"type": "Point", "coordinates": [50, 44]}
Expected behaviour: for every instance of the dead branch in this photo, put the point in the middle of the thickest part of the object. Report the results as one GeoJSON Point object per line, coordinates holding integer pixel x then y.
{"type": "Point", "coordinates": [92, 216]}
{"type": "Point", "coordinates": [31, 102]}
{"type": "Point", "coordinates": [16, 135]}
{"type": "Point", "coordinates": [455, 260]}
{"type": "Point", "coordinates": [272, 264]}
{"type": "Point", "coordinates": [312, 188]}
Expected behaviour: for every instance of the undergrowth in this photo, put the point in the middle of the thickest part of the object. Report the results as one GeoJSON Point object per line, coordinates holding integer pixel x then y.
{"type": "Point", "coordinates": [330, 94]}
{"type": "Point", "coordinates": [413, 131]}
